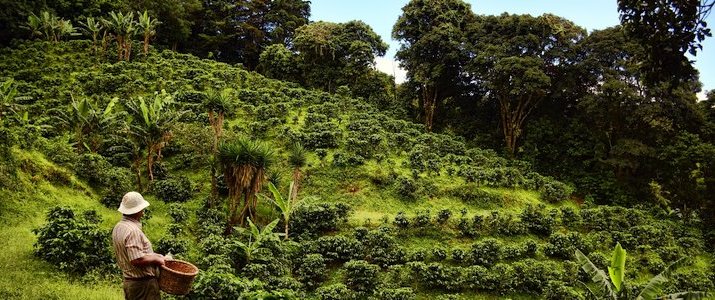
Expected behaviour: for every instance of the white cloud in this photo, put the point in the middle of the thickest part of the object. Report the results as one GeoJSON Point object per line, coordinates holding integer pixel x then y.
{"type": "Point", "coordinates": [391, 67]}
{"type": "Point", "coordinates": [702, 96]}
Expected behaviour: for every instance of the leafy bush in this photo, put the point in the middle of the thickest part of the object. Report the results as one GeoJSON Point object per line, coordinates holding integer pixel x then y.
{"type": "Point", "coordinates": [76, 245]}
{"type": "Point", "coordinates": [406, 188]}
{"type": "Point", "coordinates": [381, 248]}
{"type": "Point", "coordinates": [472, 194]}
{"type": "Point", "coordinates": [537, 220]}
{"type": "Point", "coordinates": [337, 248]}
{"type": "Point", "coordinates": [311, 270]}
{"type": "Point", "coordinates": [395, 294]}
{"type": "Point", "coordinates": [558, 290]}
{"type": "Point", "coordinates": [318, 218]}
{"type": "Point", "coordinates": [177, 212]}
{"type": "Point", "coordinates": [401, 220]}
{"type": "Point", "coordinates": [443, 216]}
{"type": "Point", "coordinates": [336, 291]}
{"type": "Point", "coordinates": [361, 276]}
{"type": "Point", "coordinates": [217, 284]}
{"type": "Point", "coordinates": [173, 190]}
{"type": "Point", "coordinates": [564, 245]}
{"type": "Point", "coordinates": [485, 252]}
{"type": "Point", "coordinates": [555, 191]}
{"type": "Point", "coordinates": [171, 245]}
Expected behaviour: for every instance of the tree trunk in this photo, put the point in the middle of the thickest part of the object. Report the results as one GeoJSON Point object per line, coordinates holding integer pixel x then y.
{"type": "Point", "coordinates": [150, 164]}
{"type": "Point", "coordinates": [146, 45]}
{"type": "Point", "coordinates": [286, 230]}
{"type": "Point", "coordinates": [429, 99]}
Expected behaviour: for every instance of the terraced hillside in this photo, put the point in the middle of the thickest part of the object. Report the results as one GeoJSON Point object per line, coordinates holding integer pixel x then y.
{"type": "Point", "coordinates": [395, 212]}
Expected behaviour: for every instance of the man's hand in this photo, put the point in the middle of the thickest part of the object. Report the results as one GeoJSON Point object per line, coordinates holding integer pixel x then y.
{"type": "Point", "coordinates": [153, 259]}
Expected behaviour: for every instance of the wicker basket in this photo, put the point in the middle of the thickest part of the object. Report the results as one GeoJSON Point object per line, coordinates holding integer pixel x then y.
{"type": "Point", "coordinates": [177, 276]}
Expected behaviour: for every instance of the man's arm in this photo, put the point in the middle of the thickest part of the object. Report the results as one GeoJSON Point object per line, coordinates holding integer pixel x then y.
{"type": "Point", "coordinates": [152, 259]}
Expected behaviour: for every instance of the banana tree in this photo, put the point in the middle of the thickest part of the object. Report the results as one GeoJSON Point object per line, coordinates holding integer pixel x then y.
{"type": "Point", "coordinates": [147, 27]}
{"type": "Point", "coordinates": [92, 28]}
{"type": "Point", "coordinates": [87, 121]}
{"type": "Point", "coordinates": [9, 97]}
{"type": "Point", "coordinates": [123, 28]}
{"type": "Point", "coordinates": [611, 285]}
{"type": "Point", "coordinates": [256, 238]}
{"type": "Point", "coordinates": [286, 205]}
{"type": "Point", "coordinates": [151, 123]}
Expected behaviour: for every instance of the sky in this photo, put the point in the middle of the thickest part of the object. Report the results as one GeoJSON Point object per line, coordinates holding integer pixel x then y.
{"type": "Point", "coordinates": [381, 15]}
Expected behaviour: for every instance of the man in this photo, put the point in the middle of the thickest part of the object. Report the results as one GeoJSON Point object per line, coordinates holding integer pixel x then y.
{"type": "Point", "coordinates": [133, 251]}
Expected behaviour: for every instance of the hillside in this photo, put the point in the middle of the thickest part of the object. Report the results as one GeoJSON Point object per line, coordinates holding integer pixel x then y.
{"type": "Point", "coordinates": [397, 212]}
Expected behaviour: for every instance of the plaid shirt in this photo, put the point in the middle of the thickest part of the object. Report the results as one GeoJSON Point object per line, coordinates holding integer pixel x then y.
{"type": "Point", "coordinates": [129, 244]}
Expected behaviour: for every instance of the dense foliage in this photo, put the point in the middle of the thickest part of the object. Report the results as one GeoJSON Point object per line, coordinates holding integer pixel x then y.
{"type": "Point", "coordinates": [592, 158]}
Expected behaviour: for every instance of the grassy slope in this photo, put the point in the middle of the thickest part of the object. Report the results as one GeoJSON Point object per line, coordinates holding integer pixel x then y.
{"type": "Point", "coordinates": [29, 278]}
{"type": "Point", "coordinates": [24, 276]}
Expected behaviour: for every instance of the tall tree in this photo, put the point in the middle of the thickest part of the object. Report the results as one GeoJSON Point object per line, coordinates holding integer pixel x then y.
{"type": "Point", "coordinates": [218, 104]}
{"type": "Point", "coordinates": [334, 54]}
{"type": "Point", "coordinates": [517, 57]}
{"type": "Point", "coordinates": [667, 29]}
{"type": "Point", "coordinates": [177, 18]}
{"type": "Point", "coordinates": [239, 30]}
{"type": "Point", "coordinates": [434, 49]}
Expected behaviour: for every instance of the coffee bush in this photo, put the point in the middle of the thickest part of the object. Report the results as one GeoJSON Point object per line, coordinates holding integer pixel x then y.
{"type": "Point", "coordinates": [73, 244]}
{"type": "Point", "coordinates": [361, 276]}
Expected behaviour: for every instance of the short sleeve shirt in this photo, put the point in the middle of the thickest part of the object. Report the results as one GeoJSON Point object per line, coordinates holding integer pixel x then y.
{"type": "Point", "coordinates": [129, 244]}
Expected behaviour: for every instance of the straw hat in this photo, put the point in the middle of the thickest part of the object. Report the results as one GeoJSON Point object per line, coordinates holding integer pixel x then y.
{"type": "Point", "coordinates": [132, 203]}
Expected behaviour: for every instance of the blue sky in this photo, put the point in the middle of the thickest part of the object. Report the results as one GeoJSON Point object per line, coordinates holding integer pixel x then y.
{"type": "Point", "coordinates": [595, 14]}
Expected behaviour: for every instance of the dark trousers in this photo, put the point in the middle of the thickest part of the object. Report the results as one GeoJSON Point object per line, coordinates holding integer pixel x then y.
{"type": "Point", "coordinates": [147, 289]}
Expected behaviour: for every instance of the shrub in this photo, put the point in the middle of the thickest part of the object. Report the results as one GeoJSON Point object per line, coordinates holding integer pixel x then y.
{"type": "Point", "coordinates": [73, 244]}
{"type": "Point", "coordinates": [570, 218]}
{"type": "Point", "coordinates": [537, 220]}
{"type": "Point", "coordinates": [504, 224]}
{"type": "Point", "coordinates": [396, 294]}
{"type": "Point", "coordinates": [361, 276]}
{"type": "Point", "coordinates": [457, 255]}
{"type": "Point", "coordinates": [173, 190]}
{"type": "Point", "coordinates": [336, 291]}
{"type": "Point", "coordinates": [555, 191]}
{"type": "Point", "coordinates": [564, 245]}
{"type": "Point", "coordinates": [217, 284]}
{"type": "Point", "coordinates": [485, 252]}
{"type": "Point", "coordinates": [439, 254]}
{"type": "Point", "coordinates": [422, 219]}
{"type": "Point", "coordinates": [558, 290]}
{"type": "Point", "coordinates": [338, 248]}
{"type": "Point", "coordinates": [171, 245]}
{"type": "Point", "coordinates": [443, 216]}
{"type": "Point", "coordinates": [406, 188]}
{"type": "Point", "coordinates": [177, 212]}
{"type": "Point", "coordinates": [473, 194]}
{"type": "Point", "coordinates": [401, 220]}
{"type": "Point", "coordinates": [318, 218]}
{"type": "Point", "coordinates": [311, 271]}
{"type": "Point", "coordinates": [441, 277]}
{"type": "Point", "coordinates": [381, 248]}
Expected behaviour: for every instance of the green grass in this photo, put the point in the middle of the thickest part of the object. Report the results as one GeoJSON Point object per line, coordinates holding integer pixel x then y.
{"type": "Point", "coordinates": [26, 277]}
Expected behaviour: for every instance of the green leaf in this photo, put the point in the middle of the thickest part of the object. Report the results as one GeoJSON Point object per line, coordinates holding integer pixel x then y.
{"type": "Point", "coordinates": [686, 296]}
{"type": "Point", "coordinates": [597, 275]}
{"type": "Point", "coordinates": [655, 286]}
{"type": "Point", "coordinates": [618, 267]}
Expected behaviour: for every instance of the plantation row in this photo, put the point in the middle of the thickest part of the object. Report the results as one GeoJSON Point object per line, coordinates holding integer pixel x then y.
{"type": "Point", "coordinates": [451, 218]}
{"type": "Point", "coordinates": [372, 262]}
